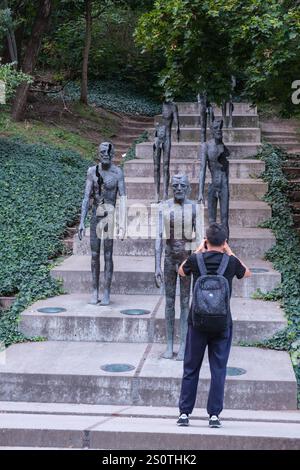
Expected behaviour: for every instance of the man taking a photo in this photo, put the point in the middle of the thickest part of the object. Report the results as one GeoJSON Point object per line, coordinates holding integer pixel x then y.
{"type": "Point", "coordinates": [213, 266]}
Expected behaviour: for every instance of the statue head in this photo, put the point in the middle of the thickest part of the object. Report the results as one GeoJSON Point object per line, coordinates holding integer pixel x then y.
{"type": "Point", "coordinates": [216, 128]}
{"type": "Point", "coordinates": [106, 153]}
{"type": "Point", "coordinates": [181, 187]}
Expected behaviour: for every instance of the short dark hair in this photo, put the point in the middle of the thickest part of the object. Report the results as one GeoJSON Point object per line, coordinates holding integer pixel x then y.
{"type": "Point", "coordinates": [216, 234]}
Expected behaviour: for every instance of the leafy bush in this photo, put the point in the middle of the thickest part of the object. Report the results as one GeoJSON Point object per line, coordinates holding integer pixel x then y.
{"type": "Point", "coordinates": [285, 255]}
{"type": "Point", "coordinates": [115, 96]}
{"type": "Point", "coordinates": [12, 78]}
{"type": "Point", "coordinates": [40, 194]}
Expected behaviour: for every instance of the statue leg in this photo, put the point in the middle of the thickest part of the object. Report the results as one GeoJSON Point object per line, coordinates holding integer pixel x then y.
{"type": "Point", "coordinates": [108, 270]}
{"type": "Point", "coordinates": [166, 164]}
{"type": "Point", "coordinates": [95, 243]}
{"type": "Point", "coordinates": [203, 113]}
{"type": "Point", "coordinates": [185, 288]}
{"type": "Point", "coordinates": [212, 204]}
{"type": "Point", "coordinates": [224, 112]}
{"type": "Point", "coordinates": [156, 163]}
{"type": "Point", "coordinates": [231, 108]}
{"type": "Point", "coordinates": [170, 278]}
{"type": "Point", "coordinates": [224, 208]}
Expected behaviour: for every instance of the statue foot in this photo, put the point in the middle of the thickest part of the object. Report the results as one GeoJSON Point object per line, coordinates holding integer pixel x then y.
{"type": "Point", "coordinates": [180, 355]}
{"type": "Point", "coordinates": [94, 298]}
{"type": "Point", "coordinates": [105, 299]}
{"type": "Point", "coordinates": [168, 354]}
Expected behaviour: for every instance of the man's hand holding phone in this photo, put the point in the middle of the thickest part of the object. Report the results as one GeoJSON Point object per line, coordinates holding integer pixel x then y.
{"type": "Point", "coordinates": [202, 248]}
{"type": "Point", "coordinates": [228, 250]}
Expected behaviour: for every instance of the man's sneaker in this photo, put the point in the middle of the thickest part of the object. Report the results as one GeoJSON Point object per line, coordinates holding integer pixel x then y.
{"type": "Point", "coordinates": [183, 420]}
{"type": "Point", "coordinates": [214, 422]}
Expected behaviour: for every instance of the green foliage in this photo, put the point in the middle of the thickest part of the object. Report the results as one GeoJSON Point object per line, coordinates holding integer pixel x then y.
{"type": "Point", "coordinates": [5, 21]}
{"type": "Point", "coordinates": [40, 192]}
{"type": "Point", "coordinates": [113, 52]}
{"type": "Point", "coordinates": [204, 42]}
{"type": "Point", "coordinates": [115, 96]}
{"type": "Point", "coordinates": [195, 48]}
{"type": "Point", "coordinates": [284, 255]}
{"type": "Point", "coordinates": [38, 132]}
{"type": "Point", "coordinates": [12, 78]}
{"type": "Point", "coordinates": [130, 154]}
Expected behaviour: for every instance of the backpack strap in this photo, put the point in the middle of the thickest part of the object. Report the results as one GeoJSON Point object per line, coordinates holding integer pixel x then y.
{"type": "Point", "coordinates": [201, 264]}
{"type": "Point", "coordinates": [223, 265]}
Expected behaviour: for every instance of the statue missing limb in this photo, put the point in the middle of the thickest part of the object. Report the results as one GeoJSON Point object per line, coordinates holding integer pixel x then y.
{"type": "Point", "coordinates": [215, 154]}
{"type": "Point", "coordinates": [180, 220]}
{"type": "Point", "coordinates": [230, 104]}
{"type": "Point", "coordinates": [159, 147]}
{"type": "Point", "coordinates": [169, 116]}
{"type": "Point", "coordinates": [206, 115]}
{"type": "Point", "coordinates": [104, 182]}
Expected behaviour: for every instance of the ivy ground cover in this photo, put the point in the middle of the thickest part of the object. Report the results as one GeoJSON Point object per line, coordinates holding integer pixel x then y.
{"type": "Point", "coordinates": [40, 195]}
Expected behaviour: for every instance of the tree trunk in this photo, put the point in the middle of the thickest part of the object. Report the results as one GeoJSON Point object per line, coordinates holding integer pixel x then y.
{"type": "Point", "coordinates": [86, 52]}
{"type": "Point", "coordinates": [12, 47]}
{"type": "Point", "coordinates": [31, 56]}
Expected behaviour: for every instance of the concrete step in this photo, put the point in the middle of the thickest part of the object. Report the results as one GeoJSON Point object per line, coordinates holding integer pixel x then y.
{"type": "Point", "coordinates": [69, 426]}
{"type": "Point", "coordinates": [192, 134]}
{"type": "Point", "coordinates": [253, 319]}
{"type": "Point", "coordinates": [193, 120]}
{"type": "Point", "coordinates": [280, 133]}
{"type": "Point", "coordinates": [240, 189]}
{"type": "Point", "coordinates": [135, 275]}
{"type": "Point", "coordinates": [239, 108]}
{"type": "Point", "coordinates": [245, 243]}
{"type": "Point", "coordinates": [284, 140]}
{"type": "Point", "coordinates": [190, 150]}
{"type": "Point", "coordinates": [70, 372]}
{"type": "Point", "coordinates": [237, 168]}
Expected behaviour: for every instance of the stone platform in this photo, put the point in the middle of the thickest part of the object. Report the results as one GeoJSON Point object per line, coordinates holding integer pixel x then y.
{"type": "Point", "coordinates": [253, 319]}
{"type": "Point", "coordinates": [62, 426]}
{"type": "Point", "coordinates": [70, 372]}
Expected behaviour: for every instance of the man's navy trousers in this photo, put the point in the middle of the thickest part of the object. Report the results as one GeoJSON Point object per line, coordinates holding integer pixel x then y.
{"type": "Point", "coordinates": [218, 353]}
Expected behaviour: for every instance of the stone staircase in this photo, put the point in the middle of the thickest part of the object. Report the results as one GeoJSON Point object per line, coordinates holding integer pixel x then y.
{"type": "Point", "coordinates": [55, 394]}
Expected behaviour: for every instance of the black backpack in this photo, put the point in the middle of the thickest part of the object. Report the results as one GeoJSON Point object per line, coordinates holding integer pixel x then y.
{"type": "Point", "coordinates": [211, 298]}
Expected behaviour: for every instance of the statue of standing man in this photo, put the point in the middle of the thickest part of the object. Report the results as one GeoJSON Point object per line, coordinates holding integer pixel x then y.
{"type": "Point", "coordinates": [163, 142]}
{"type": "Point", "coordinates": [104, 182]}
{"type": "Point", "coordinates": [214, 154]}
{"type": "Point", "coordinates": [179, 220]}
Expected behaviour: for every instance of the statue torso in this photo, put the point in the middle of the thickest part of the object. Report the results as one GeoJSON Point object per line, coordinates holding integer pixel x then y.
{"type": "Point", "coordinates": [217, 162]}
{"type": "Point", "coordinates": [168, 115]}
{"type": "Point", "coordinates": [179, 222]}
{"type": "Point", "coordinates": [109, 187]}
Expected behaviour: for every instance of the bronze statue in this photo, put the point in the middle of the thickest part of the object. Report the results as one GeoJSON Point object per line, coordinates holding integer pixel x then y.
{"type": "Point", "coordinates": [179, 219]}
{"type": "Point", "coordinates": [230, 104]}
{"type": "Point", "coordinates": [159, 147]}
{"type": "Point", "coordinates": [206, 115]}
{"type": "Point", "coordinates": [215, 154]}
{"type": "Point", "coordinates": [104, 181]}
{"type": "Point", "coordinates": [169, 116]}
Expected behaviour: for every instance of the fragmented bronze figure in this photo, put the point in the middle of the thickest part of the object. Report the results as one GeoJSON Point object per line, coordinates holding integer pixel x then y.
{"type": "Point", "coordinates": [179, 222]}
{"type": "Point", "coordinates": [163, 141]}
{"type": "Point", "coordinates": [214, 154]}
{"type": "Point", "coordinates": [206, 115]}
{"type": "Point", "coordinates": [104, 182]}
